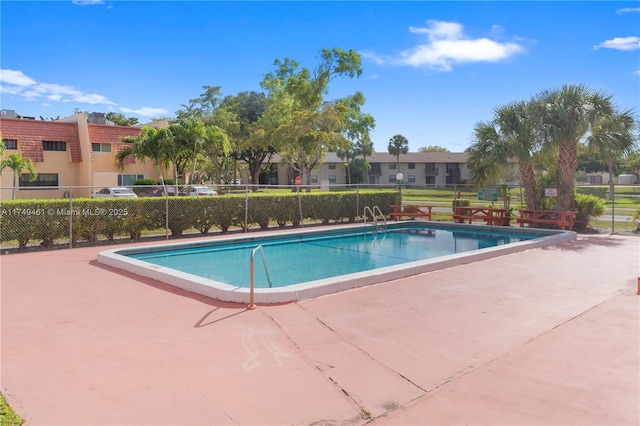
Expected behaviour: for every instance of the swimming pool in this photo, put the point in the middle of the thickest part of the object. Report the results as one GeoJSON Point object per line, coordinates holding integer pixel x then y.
{"type": "Point", "coordinates": [340, 258]}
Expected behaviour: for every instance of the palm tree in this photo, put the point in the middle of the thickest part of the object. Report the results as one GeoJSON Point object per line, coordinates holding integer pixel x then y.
{"type": "Point", "coordinates": [18, 164]}
{"type": "Point", "coordinates": [511, 135]}
{"type": "Point", "coordinates": [398, 145]}
{"type": "Point", "coordinates": [613, 137]}
{"type": "Point", "coordinates": [565, 116]}
{"type": "Point", "coordinates": [364, 147]}
{"type": "Point", "coordinates": [218, 148]}
{"type": "Point", "coordinates": [153, 144]}
{"type": "Point", "coordinates": [349, 153]}
{"type": "Point", "coordinates": [189, 140]}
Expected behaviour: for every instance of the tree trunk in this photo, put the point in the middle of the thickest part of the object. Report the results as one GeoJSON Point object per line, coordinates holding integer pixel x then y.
{"type": "Point", "coordinates": [567, 166]}
{"type": "Point", "coordinates": [16, 181]}
{"type": "Point", "coordinates": [531, 189]}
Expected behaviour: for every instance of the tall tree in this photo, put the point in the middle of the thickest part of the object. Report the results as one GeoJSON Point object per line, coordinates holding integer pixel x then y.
{"type": "Point", "coordinates": [242, 122]}
{"type": "Point", "coordinates": [565, 116]}
{"type": "Point", "coordinates": [347, 153]}
{"type": "Point", "coordinates": [357, 129]}
{"type": "Point", "coordinates": [304, 124]}
{"type": "Point", "coordinates": [364, 147]}
{"type": "Point", "coordinates": [154, 144]}
{"type": "Point", "coordinates": [19, 165]}
{"type": "Point", "coordinates": [120, 119]}
{"type": "Point", "coordinates": [398, 144]}
{"type": "Point", "coordinates": [613, 137]}
{"type": "Point", "coordinates": [203, 106]}
{"type": "Point", "coordinates": [189, 141]}
{"type": "Point", "coordinates": [510, 135]}
{"type": "Point", "coordinates": [218, 149]}
{"type": "Point", "coordinates": [433, 148]}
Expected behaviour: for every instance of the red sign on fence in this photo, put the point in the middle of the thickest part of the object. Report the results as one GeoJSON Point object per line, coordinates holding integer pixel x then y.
{"type": "Point", "coordinates": [298, 180]}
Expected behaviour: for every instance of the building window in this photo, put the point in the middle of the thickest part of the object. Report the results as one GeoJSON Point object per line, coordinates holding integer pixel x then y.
{"type": "Point", "coordinates": [43, 179]}
{"type": "Point", "coordinates": [101, 147]}
{"type": "Point", "coordinates": [392, 166]}
{"type": "Point", "coordinates": [54, 146]}
{"type": "Point", "coordinates": [431, 169]}
{"type": "Point", "coordinates": [411, 178]}
{"type": "Point", "coordinates": [314, 178]}
{"type": "Point", "coordinates": [10, 143]}
{"type": "Point", "coordinates": [332, 166]}
{"type": "Point", "coordinates": [453, 168]}
{"type": "Point", "coordinates": [412, 166]}
{"type": "Point", "coordinates": [128, 180]}
{"type": "Point", "coordinates": [332, 178]}
{"type": "Point", "coordinates": [392, 179]}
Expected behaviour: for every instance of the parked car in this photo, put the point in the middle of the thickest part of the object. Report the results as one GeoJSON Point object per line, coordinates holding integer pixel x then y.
{"type": "Point", "coordinates": [197, 190]}
{"type": "Point", "coordinates": [115, 192]}
{"type": "Point", "coordinates": [158, 192]}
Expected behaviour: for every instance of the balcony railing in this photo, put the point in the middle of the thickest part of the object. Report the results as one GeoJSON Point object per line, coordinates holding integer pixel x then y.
{"type": "Point", "coordinates": [431, 171]}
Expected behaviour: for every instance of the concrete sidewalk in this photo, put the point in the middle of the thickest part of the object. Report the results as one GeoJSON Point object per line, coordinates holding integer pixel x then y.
{"type": "Point", "coordinates": [546, 336]}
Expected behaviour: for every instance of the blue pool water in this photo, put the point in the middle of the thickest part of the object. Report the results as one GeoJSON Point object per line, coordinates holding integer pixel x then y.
{"type": "Point", "coordinates": [304, 258]}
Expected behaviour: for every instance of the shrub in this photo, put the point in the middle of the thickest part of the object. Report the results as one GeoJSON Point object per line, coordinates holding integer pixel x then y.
{"type": "Point", "coordinates": [145, 182]}
{"type": "Point", "coordinates": [460, 203]}
{"type": "Point", "coordinates": [636, 219]}
{"type": "Point", "coordinates": [587, 207]}
{"type": "Point", "coordinates": [170, 182]}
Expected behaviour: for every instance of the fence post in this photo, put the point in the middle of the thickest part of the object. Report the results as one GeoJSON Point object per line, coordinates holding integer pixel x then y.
{"type": "Point", "coordinates": [358, 201]}
{"type": "Point", "coordinates": [166, 213]}
{"type": "Point", "coordinates": [613, 212]}
{"type": "Point", "coordinates": [246, 210]}
{"type": "Point", "coordinates": [70, 217]}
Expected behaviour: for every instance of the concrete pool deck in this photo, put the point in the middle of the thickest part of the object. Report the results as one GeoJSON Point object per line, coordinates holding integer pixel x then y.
{"type": "Point", "coordinates": [548, 336]}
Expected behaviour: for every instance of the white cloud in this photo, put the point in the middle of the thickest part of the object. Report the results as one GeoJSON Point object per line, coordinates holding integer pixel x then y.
{"type": "Point", "coordinates": [87, 2]}
{"type": "Point", "coordinates": [637, 72]}
{"type": "Point", "coordinates": [374, 57]}
{"type": "Point", "coordinates": [447, 45]}
{"type": "Point", "coordinates": [18, 84]}
{"type": "Point", "coordinates": [15, 78]}
{"type": "Point", "coordinates": [146, 111]}
{"type": "Point", "coordinates": [621, 43]}
{"type": "Point", "coordinates": [628, 10]}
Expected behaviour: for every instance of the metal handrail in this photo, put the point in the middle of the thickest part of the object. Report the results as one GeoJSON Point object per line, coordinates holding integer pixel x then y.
{"type": "Point", "coordinates": [384, 219]}
{"type": "Point", "coordinates": [251, 269]}
{"type": "Point", "coordinates": [373, 216]}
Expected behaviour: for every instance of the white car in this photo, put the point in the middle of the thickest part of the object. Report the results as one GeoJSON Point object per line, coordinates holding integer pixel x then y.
{"type": "Point", "coordinates": [198, 190]}
{"type": "Point", "coordinates": [115, 192]}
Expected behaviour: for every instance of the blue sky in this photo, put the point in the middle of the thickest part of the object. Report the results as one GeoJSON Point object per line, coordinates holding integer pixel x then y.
{"type": "Point", "coordinates": [432, 70]}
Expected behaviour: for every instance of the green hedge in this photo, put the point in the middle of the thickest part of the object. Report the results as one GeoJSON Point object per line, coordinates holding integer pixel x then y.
{"type": "Point", "coordinates": [44, 221]}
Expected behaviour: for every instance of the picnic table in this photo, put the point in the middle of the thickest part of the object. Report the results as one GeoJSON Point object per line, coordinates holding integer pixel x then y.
{"type": "Point", "coordinates": [561, 219]}
{"type": "Point", "coordinates": [490, 215]}
{"type": "Point", "coordinates": [411, 211]}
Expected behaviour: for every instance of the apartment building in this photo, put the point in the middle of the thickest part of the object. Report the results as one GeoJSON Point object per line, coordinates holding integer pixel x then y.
{"type": "Point", "coordinates": [417, 168]}
{"type": "Point", "coordinates": [78, 151]}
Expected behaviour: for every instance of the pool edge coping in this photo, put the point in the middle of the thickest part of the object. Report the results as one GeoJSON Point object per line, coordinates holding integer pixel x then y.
{"type": "Point", "coordinates": [312, 289]}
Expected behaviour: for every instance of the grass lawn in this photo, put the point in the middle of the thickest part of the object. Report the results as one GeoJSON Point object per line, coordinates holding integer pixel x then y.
{"type": "Point", "coordinates": [627, 198]}
{"type": "Point", "coordinates": [7, 416]}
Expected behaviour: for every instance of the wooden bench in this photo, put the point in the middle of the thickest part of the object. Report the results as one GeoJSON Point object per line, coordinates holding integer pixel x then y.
{"type": "Point", "coordinates": [410, 211]}
{"type": "Point", "coordinates": [561, 219]}
{"type": "Point", "coordinates": [491, 216]}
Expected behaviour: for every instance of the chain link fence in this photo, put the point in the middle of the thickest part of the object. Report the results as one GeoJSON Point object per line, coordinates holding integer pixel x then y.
{"type": "Point", "coordinates": [75, 216]}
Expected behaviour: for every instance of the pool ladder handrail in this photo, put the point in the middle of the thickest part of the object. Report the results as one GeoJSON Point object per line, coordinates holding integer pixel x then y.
{"type": "Point", "coordinates": [373, 212]}
{"type": "Point", "coordinates": [251, 274]}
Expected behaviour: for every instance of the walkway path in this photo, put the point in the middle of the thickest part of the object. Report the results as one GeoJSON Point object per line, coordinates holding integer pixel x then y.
{"type": "Point", "coordinates": [546, 336]}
